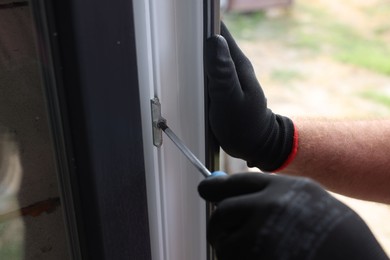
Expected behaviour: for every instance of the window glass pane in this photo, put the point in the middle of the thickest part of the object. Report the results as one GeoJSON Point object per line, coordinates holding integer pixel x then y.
{"type": "Point", "coordinates": [31, 220]}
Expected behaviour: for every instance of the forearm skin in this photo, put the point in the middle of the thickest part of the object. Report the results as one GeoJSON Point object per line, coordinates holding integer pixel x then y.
{"type": "Point", "coordinates": [348, 157]}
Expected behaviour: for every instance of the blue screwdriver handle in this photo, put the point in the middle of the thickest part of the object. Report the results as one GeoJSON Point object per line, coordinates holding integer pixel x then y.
{"type": "Point", "coordinates": [217, 173]}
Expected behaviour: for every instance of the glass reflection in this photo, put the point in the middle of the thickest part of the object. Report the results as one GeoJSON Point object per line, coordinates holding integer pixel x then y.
{"type": "Point", "coordinates": [31, 218]}
{"type": "Point", "coordinates": [11, 227]}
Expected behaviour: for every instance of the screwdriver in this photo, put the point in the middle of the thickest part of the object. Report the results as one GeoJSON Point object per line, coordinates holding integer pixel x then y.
{"type": "Point", "coordinates": [184, 149]}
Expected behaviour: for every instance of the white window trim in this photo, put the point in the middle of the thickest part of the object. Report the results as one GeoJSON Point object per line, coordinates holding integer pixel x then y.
{"type": "Point", "coordinates": [169, 39]}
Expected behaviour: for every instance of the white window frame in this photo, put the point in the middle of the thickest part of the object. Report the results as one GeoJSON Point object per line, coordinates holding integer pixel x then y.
{"type": "Point", "coordinates": [169, 40]}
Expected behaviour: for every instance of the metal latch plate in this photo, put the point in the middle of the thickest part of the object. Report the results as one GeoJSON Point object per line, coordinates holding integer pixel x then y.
{"type": "Point", "coordinates": [156, 118]}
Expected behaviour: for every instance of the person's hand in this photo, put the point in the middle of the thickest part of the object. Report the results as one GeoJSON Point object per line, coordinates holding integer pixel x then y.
{"type": "Point", "coordinates": [239, 117]}
{"type": "Point", "coordinates": [262, 216]}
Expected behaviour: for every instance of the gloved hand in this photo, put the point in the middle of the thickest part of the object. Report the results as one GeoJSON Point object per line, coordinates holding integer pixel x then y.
{"type": "Point", "coordinates": [239, 117]}
{"type": "Point", "coordinates": [271, 217]}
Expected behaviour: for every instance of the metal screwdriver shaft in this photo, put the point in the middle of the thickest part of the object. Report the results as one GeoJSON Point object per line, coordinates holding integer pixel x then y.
{"type": "Point", "coordinates": [179, 143]}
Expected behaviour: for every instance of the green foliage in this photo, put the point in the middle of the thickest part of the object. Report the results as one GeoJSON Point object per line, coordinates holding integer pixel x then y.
{"type": "Point", "coordinates": [377, 97]}
{"type": "Point", "coordinates": [11, 241]}
{"type": "Point", "coordinates": [312, 29]}
{"type": "Point", "coordinates": [285, 76]}
{"type": "Point", "coordinates": [256, 26]}
{"type": "Point", "coordinates": [11, 251]}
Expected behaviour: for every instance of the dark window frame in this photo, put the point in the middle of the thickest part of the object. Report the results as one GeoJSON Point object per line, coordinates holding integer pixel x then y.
{"type": "Point", "coordinates": [88, 58]}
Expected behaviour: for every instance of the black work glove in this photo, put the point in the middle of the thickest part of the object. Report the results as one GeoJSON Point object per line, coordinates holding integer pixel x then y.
{"type": "Point", "coordinates": [239, 117]}
{"type": "Point", "coordinates": [269, 217]}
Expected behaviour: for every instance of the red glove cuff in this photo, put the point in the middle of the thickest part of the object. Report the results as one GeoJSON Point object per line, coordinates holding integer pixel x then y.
{"type": "Point", "coordinates": [293, 153]}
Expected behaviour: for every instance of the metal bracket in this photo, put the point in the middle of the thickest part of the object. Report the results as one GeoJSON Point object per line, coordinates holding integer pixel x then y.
{"type": "Point", "coordinates": [156, 118]}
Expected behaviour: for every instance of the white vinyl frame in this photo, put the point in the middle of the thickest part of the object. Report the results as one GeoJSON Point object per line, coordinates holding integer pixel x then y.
{"type": "Point", "coordinates": [169, 40]}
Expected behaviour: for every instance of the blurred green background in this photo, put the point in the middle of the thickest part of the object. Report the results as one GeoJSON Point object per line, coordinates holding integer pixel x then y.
{"type": "Point", "coordinates": [335, 36]}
